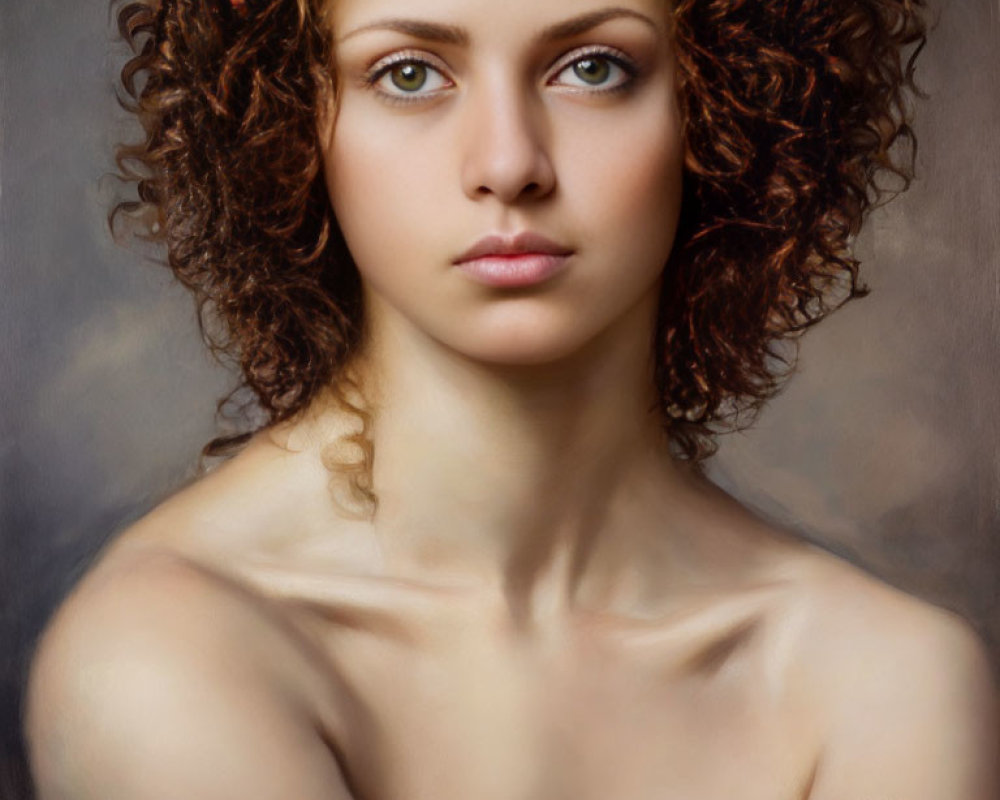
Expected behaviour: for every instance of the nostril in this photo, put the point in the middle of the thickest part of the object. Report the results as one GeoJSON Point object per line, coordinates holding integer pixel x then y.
{"type": "Point", "coordinates": [528, 189]}
{"type": "Point", "coordinates": [510, 178]}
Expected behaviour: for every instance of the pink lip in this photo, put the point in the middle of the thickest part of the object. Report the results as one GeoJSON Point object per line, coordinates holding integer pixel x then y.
{"type": "Point", "coordinates": [511, 262]}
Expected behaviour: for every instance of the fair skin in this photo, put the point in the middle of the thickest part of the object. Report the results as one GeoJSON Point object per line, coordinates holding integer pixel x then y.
{"type": "Point", "coordinates": [546, 605]}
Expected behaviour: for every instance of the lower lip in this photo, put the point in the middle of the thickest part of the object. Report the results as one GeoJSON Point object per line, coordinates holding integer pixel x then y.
{"type": "Point", "coordinates": [514, 272]}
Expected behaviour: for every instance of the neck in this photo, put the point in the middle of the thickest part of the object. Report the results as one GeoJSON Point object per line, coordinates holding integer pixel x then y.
{"type": "Point", "coordinates": [551, 484]}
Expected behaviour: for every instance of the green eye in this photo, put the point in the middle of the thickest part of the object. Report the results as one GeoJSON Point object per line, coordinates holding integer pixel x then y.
{"type": "Point", "coordinates": [594, 71]}
{"type": "Point", "coordinates": [409, 77]}
{"type": "Point", "coordinates": [405, 78]}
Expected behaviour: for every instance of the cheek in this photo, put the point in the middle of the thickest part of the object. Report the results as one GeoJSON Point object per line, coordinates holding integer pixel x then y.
{"type": "Point", "coordinates": [648, 187]}
{"type": "Point", "coordinates": [650, 171]}
{"type": "Point", "coordinates": [629, 183]}
{"type": "Point", "coordinates": [380, 189]}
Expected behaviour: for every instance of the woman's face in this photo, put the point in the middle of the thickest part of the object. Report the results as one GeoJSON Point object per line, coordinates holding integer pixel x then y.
{"type": "Point", "coordinates": [507, 175]}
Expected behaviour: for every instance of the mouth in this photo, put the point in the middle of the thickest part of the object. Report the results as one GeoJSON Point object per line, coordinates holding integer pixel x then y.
{"type": "Point", "coordinates": [513, 262]}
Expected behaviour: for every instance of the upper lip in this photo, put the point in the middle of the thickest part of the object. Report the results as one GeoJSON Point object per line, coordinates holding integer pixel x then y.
{"type": "Point", "coordinates": [521, 244]}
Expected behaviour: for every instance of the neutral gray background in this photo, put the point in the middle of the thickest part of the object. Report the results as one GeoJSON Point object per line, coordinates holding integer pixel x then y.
{"type": "Point", "coordinates": [884, 446]}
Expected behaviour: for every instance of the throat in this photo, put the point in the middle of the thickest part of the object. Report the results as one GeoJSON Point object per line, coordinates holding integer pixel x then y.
{"type": "Point", "coordinates": [536, 481]}
{"type": "Point", "coordinates": [548, 538]}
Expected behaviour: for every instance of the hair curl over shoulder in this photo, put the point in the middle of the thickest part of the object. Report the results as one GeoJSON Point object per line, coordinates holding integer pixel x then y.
{"type": "Point", "coordinates": [793, 110]}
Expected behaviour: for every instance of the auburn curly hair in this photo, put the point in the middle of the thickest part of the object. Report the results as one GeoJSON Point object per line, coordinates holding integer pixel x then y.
{"type": "Point", "coordinates": [793, 110]}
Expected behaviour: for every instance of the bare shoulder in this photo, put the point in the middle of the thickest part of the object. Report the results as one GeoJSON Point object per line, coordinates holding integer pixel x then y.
{"type": "Point", "coordinates": [157, 680]}
{"type": "Point", "coordinates": [260, 496]}
{"type": "Point", "coordinates": [276, 501]}
{"type": "Point", "coordinates": [906, 692]}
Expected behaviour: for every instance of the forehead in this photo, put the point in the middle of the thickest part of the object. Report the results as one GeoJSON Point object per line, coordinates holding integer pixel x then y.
{"type": "Point", "coordinates": [486, 19]}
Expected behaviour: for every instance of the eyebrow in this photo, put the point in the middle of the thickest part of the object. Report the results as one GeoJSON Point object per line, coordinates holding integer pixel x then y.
{"type": "Point", "coordinates": [452, 34]}
{"type": "Point", "coordinates": [428, 31]}
{"type": "Point", "coordinates": [585, 22]}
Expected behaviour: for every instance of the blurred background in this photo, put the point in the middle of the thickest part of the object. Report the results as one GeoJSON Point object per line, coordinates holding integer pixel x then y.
{"type": "Point", "coordinates": [884, 447]}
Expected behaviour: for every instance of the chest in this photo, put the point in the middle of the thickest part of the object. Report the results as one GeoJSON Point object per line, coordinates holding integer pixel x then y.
{"type": "Point", "coordinates": [479, 719]}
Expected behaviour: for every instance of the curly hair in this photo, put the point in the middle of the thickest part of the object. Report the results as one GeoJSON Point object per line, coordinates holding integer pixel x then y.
{"type": "Point", "coordinates": [793, 111]}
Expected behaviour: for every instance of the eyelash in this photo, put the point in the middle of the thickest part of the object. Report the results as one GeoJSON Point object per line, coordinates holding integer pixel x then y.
{"type": "Point", "coordinates": [614, 57]}
{"type": "Point", "coordinates": [384, 66]}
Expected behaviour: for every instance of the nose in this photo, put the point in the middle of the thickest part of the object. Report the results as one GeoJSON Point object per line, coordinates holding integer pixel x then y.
{"type": "Point", "coordinates": [506, 156]}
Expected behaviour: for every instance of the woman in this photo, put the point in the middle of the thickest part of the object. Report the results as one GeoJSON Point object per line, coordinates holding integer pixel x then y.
{"type": "Point", "coordinates": [471, 554]}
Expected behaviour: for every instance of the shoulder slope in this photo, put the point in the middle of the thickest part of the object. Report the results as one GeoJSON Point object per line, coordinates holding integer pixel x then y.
{"type": "Point", "coordinates": [152, 682]}
{"type": "Point", "coordinates": [258, 499]}
{"type": "Point", "coordinates": [850, 607]}
{"type": "Point", "coordinates": [906, 690]}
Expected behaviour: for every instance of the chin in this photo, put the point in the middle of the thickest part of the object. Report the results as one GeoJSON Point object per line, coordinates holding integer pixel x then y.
{"type": "Point", "coordinates": [526, 340]}
{"type": "Point", "coordinates": [530, 355]}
